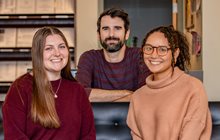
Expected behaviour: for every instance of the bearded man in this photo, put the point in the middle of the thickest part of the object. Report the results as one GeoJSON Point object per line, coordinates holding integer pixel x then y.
{"type": "Point", "coordinates": [116, 71]}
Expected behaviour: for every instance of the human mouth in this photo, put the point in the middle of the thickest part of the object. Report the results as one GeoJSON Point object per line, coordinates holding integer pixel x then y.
{"type": "Point", "coordinates": [56, 60]}
{"type": "Point", "coordinates": [112, 42]}
{"type": "Point", "coordinates": [155, 62]}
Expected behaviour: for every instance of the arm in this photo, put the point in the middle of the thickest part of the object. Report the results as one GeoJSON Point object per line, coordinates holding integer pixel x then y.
{"type": "Point", "coordinates": [197, 122]}
{"type": "Point", "coordinates": [14, 127]}
{"type": "Point", "coordinates": [84, 72]}
{"type": "Point", "coordinates": [100, 95]}
{"type": "Point", "coordinates": [84, 77]}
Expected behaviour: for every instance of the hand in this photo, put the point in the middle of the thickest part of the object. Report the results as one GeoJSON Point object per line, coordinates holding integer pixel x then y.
{"type": "Point", "coordinates": [126, 97]}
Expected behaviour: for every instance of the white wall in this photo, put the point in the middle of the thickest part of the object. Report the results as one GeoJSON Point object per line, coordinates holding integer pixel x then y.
{"type": "Point", "coordinates": [211, 48]}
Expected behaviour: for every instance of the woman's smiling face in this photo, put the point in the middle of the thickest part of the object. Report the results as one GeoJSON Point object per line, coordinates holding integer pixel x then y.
{"type": "Point", "coordinates": [55, 54]}
{"type": "Point", "coordinates": [159, 65]}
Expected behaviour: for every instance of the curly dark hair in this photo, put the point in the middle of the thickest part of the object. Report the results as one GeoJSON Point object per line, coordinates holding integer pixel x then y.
{"type": "Point", "coordinates": [176, 40]}
{"type": "Point", "coordinates": [114, 12]}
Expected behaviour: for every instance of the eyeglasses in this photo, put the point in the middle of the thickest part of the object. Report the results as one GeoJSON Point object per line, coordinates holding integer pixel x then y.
{"type": "Point", "coordinates": [161, 50]}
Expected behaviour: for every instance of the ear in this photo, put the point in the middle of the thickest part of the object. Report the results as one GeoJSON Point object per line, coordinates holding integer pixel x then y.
{"type": "Point", "coordinates": [176, 54]}
{"type": "Point", "coordinates": [127, 34]}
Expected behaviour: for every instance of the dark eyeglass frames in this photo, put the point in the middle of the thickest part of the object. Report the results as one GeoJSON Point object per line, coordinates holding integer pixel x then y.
{"type": "Point", "coordinates": [161, 50]}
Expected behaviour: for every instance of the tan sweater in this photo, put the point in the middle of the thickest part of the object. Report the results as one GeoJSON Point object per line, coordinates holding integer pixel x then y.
{"type": "Point", "coordinates": [170, 109]}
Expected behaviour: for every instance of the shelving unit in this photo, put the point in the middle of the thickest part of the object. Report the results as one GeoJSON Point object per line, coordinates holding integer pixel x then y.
{"type": "Point", "coordinates": [22, 54]}
{"type": "Point", "coordinates": [13, 54]}
{"type": "Point", "coordinates": [19, 53]}
{"type": "Point", "coordinates": [36, 20]}
{"type": "Point", "coordinates": [4, 86]}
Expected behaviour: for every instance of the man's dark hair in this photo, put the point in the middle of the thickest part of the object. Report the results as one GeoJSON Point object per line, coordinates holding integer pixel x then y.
{"type": "Point", "coordinates": [114, 12]}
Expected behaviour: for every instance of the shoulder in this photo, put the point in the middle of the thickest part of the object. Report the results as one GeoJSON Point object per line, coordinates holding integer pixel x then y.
{"type": "Point", "coordinates": [139, 97]}
{"type": "Point", "coordinates": [86, 57]}
{"type": "Point", "coordinates": [193, 81]}
{"type": "Point", "coordinates": [20, 90]}
{"type": "Point", "coordinates": [23, 82]}
{"type": "Point", "coordinates": [183, 78]}
{"type": "Point", "coordinates": [140, 93]}
{"type": "Point", "coordinates": [133, 50]}
{"type": "Point", "coordinates": [91, 53]}
{"type": "Point", "coordinates": [194, 86]}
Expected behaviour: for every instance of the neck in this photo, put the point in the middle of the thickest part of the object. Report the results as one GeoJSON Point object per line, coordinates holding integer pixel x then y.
{"type": "Point", "coordinates": [51, 77]}
{"type": "Point", "coordinates": [54, 76]}
{"type": "Point", "coordinates": [159, 76]}
{"type": "Point", "coordinates": [116, 56]}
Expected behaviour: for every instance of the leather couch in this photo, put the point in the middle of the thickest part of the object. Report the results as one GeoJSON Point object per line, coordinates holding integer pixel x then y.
{"type": "Point", "coordinates": [215, 111]}
{"type": "Point", "coordinates": [110, 121]}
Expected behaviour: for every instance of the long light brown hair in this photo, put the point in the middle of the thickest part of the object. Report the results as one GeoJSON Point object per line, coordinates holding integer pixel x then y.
{"type": "Point", "coordinates": [43, 109]}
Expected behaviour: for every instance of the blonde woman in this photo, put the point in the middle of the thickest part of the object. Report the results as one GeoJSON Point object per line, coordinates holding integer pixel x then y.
{"type": "Point", "coordinates": [48, 103]}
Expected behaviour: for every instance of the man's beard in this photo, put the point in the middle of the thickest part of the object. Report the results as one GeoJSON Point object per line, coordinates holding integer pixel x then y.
{"type": "Point", "coordinates": [112, 47]}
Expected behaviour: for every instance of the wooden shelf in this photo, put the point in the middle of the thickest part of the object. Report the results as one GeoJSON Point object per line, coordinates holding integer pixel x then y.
{"type": "Point", "coordinates": [36, 20]}
{"type": "Point", "coordinates": [3, 89]}
{"type": "Point", "coordinates": [21, 54]}
{"type": "Point", "coordinates": [4, 86]}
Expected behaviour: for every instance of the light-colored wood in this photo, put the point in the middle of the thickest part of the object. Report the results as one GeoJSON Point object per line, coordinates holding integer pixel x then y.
{"type": "Point", "coordinates": [87, 13]}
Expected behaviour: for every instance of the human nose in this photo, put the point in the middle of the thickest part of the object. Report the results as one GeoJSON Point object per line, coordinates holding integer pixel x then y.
{"type": "Point", "coordinates": [111, 32]}
{"type": "Point", "coordinates": [56, 51]}
{"type": "Point", "coordinates": [154, 53]}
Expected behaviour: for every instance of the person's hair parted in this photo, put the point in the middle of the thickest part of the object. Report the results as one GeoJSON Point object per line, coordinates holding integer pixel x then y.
{"type": "Point", "coordinates": [43, 104]}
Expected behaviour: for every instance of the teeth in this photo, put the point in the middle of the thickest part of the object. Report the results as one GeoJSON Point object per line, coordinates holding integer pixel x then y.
{"type": "Point", "coordinates": [56, 60]}
{"type": "Point", "coordinates": [155, 62]}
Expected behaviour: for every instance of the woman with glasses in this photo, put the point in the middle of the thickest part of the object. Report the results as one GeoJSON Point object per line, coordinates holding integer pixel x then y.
{"type": "Point", "coordinates": [172, 105]}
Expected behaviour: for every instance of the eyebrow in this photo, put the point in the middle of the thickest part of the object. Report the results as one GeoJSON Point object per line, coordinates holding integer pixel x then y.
{"type": "Point", "coordinates": [148, 44]}
{"type": "Point", "coordinates": [53, 45]}
{"type": "Point", "coordinates": [116, 26]}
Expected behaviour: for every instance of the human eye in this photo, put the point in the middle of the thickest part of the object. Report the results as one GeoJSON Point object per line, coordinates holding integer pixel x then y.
{"type": "Point", "coordinates": [48, 48]}
{"type": "Point", "coordinates": [162, 49]}
{"type": "Point", "coordinates": [104, 28]}
{"type": "Point", "coordinates": [148, 48]}
{"type": "Point", "coordinates": [62, 46]}
{"type": "Point", "coordinates": [118, 27]}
